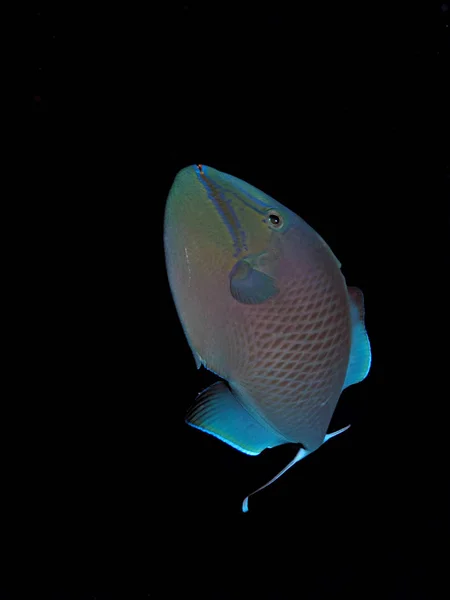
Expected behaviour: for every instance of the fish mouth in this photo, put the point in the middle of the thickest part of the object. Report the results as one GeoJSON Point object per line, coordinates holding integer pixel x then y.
{"type": "Point", "coordinates": [189, 176]}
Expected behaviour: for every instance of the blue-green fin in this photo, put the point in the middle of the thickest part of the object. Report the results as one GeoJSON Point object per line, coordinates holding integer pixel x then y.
{"type": "Point", "coordinates": [360, 353]}
{"type": "Point", "coordinates": [218, 412]}
{"type": "Point", "coordinates": [249, 285]}
{"type": "Point", "coordinates": [198, 360]}
{"type": "Point", "coordinates": [302, 453]}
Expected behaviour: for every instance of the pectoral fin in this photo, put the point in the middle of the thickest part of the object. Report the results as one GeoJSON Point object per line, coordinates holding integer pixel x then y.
{"type": "Point", "coordinates": [218, 412]}
{"type": "Point", "coordinates": [249, 285]}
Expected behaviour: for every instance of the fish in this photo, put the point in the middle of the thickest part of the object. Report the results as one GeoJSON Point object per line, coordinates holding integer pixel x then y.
{"type": "Point", "coordinates": [264, 306]}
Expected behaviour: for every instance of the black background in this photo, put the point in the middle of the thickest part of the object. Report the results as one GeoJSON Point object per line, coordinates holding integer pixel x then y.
{"type": "Point", "coordinates": [339, 111]}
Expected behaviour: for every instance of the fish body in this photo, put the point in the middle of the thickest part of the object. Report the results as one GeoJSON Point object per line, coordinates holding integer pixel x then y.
{"type": "Point", "coordinates": [264, 305]}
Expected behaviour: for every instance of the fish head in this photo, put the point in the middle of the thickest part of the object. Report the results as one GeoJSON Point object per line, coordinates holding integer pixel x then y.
{"type": "Point", "coordinates": [227, 232]}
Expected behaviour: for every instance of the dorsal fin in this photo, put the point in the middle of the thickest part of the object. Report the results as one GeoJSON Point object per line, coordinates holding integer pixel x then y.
{"type": "Point", "coordinates": [360, 353]}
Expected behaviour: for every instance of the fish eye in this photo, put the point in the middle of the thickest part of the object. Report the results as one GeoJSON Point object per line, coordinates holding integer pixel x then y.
{"type": "Point", "coordinates": [275, 220]}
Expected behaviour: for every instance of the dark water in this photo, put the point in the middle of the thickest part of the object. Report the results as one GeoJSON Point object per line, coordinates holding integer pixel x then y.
{"type": "Point", "coordinates": [339, 112]}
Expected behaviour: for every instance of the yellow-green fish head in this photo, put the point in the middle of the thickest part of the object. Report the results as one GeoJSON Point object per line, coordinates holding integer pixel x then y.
{"type": "Point", "coordinates": [221, 225]}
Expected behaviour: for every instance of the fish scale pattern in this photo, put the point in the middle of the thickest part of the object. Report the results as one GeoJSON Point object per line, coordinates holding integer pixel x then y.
{"type": "Point", "coordinates": [297, 350]}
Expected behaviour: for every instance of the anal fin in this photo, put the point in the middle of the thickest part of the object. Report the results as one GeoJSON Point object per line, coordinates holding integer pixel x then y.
{"type": "Point", "coordinates": [218, 412]}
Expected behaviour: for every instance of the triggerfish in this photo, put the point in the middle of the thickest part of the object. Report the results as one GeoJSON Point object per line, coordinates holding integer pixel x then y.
{"type": "Point", "coordinates": [264, 305]}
